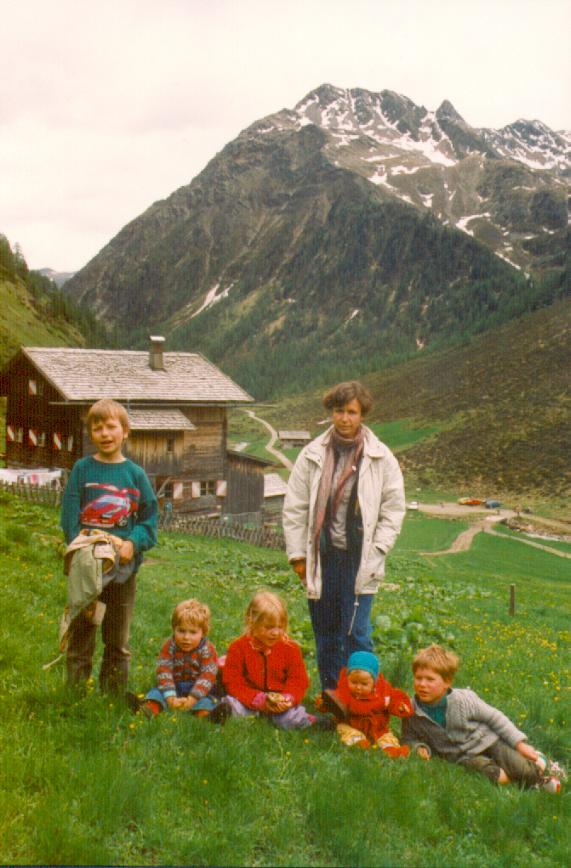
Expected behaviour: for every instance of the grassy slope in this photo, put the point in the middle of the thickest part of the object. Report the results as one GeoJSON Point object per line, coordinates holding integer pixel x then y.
{"type": "Point", "coordinates": [83, 782]}
{"type": "Point", "coordinates": [22, 325]}
{"type": "Point", "coordinates": [498, 407]}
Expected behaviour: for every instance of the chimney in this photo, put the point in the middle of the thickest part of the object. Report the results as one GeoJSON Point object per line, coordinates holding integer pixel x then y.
{"type": "Point", "coordinates": [156, 361]}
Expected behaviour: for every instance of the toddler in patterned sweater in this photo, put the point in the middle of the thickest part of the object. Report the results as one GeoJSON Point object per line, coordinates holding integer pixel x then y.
{"type": "Point", "coordinates": [187, 666]}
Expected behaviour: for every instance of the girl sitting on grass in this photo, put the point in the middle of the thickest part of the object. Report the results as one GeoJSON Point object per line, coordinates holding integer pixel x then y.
{"type": "Point", "coordinates": [186, 667]}
{"type": "Point", "coordinates": [264, 673]}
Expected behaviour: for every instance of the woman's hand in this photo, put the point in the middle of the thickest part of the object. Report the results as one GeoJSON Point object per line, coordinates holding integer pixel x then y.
{"type": "Point", "coordinates": [299, 567]}
{"type": "Point", "coordinates": [422, 752]}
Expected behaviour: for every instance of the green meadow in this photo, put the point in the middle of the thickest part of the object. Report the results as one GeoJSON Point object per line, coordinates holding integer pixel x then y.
{"type": "Point", "coordinates": [84, 782]}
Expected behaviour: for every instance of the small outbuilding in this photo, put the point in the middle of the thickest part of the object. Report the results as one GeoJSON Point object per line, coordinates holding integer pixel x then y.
{"type": "Point", "coordinates": [291, 439]}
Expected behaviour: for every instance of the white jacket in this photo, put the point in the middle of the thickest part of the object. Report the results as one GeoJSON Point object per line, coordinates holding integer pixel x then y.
{"type": "Point", "coordinates": [380, 494]}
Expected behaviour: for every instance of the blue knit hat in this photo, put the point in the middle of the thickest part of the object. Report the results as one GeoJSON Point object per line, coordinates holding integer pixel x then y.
{"type": "Point", "coordinates": [364, 660]}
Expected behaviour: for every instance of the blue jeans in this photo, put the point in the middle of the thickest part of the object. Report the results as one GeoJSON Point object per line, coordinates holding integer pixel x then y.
{"type": "Point", "coordinates": [341, 620]}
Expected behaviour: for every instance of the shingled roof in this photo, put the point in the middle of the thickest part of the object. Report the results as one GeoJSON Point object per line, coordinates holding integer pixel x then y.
{"type": "Point", "coordinates": [167, 419]}
{"type": "Point", "coordinates": [125, 375]}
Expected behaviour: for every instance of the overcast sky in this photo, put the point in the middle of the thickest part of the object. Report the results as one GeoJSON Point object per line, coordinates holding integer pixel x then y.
{"type": "Point", "coordinates": [106, 107]}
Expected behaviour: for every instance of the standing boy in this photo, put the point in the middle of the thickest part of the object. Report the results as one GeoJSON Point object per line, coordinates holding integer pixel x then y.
{"type": "Point", "coordinates": [107, 491]}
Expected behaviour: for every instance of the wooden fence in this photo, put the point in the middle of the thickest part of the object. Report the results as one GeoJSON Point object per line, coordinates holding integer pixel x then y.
{"type": "Point", "coordinates": [250, 531]}
{"type": "Point", "coordinates": [266, 537]}
{"type": "Point", "coordinates": [35, 493]}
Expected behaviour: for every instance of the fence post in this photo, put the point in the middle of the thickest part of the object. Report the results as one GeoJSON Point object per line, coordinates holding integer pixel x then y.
{"type": "Point", "coordinates": [512, 600]}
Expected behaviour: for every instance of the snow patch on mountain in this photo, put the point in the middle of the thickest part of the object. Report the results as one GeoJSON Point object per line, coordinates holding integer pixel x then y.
{"type": "Point", "coordinates": [212, 297]}
{"type": "Point", "coordinates": [463, 222]}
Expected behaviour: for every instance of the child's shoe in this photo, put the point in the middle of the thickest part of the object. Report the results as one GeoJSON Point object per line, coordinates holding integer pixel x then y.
{"type": "Point", "coordinates": [394, 752]}
{"type": "Point", "coordinates": [221, 713]}
{"type": "Point", "coordinates": [133, 702]}
{"type": "Point", "coordinates": [550, 785]}
{"type": "Point", "coordinates": [557, 770]}
{"type": "Point", "coordinates": [352, 737]}
{"type": "Point", "coordinates": [149, 708]}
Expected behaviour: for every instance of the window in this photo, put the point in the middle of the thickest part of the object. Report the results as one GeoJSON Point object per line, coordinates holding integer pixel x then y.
{"type": "Point", "coordinates": [208, 487]}
{"type": "Point", "coordinates": [20, 435]}
{"type": "Point", "coordinates": [32, 387]}
{"type": "Point", "coordinates": [170, 443]}
{"type": "Point", "coordinates": [42, 439]}
{"type": "Point", "coordinates": [70, 443]}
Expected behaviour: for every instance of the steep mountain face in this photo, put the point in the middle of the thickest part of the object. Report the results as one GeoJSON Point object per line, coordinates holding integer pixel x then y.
{"type": "Point", "coordinates": [355, 226]}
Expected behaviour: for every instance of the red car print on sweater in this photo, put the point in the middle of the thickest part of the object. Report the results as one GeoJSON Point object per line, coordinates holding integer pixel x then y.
{"type": "Point", "coordinates": [111, 508]}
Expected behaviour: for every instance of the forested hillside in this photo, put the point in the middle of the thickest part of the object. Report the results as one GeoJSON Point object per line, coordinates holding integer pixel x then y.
{"type": "Point", "coordinates": [34, 312]}
{"type": "Point", "coordinates": [500, 406]}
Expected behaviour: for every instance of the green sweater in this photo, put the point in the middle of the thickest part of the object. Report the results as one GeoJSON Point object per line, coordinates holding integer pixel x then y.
{"type": "Point", "coordinates": [114, 497]}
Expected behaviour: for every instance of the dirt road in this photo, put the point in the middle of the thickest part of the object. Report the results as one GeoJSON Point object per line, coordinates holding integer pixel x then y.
{"type": "Point", "coordinates": [270, 444]}
{"type": "Point", "coordinates": [485, 519]}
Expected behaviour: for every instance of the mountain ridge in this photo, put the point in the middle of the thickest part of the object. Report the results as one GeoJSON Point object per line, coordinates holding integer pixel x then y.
{"type": "Point", "coordinates": [356, 224]}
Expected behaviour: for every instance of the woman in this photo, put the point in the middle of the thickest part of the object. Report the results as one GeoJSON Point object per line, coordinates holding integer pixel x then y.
{"type": "Point", "coordinates": [342, 513]}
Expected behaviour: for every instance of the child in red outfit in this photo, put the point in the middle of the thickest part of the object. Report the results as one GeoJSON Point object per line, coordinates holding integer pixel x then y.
{"type": "Point", "coordinates": [367, 700]}
{"type": "Point", "coordinates": [264, 673]}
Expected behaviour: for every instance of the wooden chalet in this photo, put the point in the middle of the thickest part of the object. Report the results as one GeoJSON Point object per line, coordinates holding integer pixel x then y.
{"type": "Point", "coordinates": [177, 405]}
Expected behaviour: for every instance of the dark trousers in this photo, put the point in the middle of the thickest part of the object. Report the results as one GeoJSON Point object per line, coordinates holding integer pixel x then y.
{"type": "Point", "coordinates": [114, 674]}
{"type": "Point", "coordinates": [341, 620]}
{"type": "Point", "coordinates": [501, 756]}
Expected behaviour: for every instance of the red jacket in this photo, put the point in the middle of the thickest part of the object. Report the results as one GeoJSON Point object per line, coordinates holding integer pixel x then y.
{"type": "Point", "coordinates": [370, 715]}
{"type": "Point", "coordinates": [251, 668]}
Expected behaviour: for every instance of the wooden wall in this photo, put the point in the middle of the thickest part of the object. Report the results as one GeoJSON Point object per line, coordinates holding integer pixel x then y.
{"type": "Point", "coordinates": [245, 486]}
{"type": "Point", "coordinates": [28, 412]}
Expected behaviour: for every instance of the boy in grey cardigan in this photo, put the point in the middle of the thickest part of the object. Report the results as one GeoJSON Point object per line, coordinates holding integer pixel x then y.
{"type": "Point", "coordinates": [457, 725]}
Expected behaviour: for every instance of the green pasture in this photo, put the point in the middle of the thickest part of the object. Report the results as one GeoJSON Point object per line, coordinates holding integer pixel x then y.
{"type": "Point", "coordinates": [400, 434]}
{"type": "Point", "coordinates": [560, 545]}
{"type": "Point", "coordinates": [84, 782]}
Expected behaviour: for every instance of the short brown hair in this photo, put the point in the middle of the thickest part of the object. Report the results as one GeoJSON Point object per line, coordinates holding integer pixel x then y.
{"type": "Point", "coordinates": [194, 612]}
{"type": "Point", "coordinates": [434, 657]}
{"type": "Point", "coordinates": [342, 393]}
{"type": "Point", "coordinates": [263, 605]}
{"type": "Point", "coordinates": [106, 409]}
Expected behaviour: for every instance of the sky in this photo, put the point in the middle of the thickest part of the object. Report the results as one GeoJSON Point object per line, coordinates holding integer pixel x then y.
{"type": "Point", "coordinates": [107, 107]}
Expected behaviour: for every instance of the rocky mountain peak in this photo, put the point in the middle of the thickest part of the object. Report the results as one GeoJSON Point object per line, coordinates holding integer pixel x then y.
{"type": "Point", "coordinates": [446, 111]}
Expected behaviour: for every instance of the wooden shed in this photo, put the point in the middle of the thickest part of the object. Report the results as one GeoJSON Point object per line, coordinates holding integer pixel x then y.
{"type": "Point", "coordinates": [289, 439]}
{"type": "Point", "coordinates": [245, 483]}
{"type": "Point", "coordinates": [177, 404]}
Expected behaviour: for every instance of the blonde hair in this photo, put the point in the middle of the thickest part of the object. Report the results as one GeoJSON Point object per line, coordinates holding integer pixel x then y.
{"type": "Point", "coordinates": [107, 409]}
{"type": "Point", "coordinates": [265, 605]}
{"type": "Point", "coordinates": [434, 657]}
{"type": "Point", "coordinates": [194, 612]}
